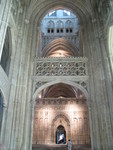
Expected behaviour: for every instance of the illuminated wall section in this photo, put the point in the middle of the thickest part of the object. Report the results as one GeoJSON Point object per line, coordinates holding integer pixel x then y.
{"type": "Point", "coordinates": [70, 113]}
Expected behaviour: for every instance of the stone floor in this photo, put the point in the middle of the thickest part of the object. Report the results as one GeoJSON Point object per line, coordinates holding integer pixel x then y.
{"type": "Point", "coordinates": [59, 147]}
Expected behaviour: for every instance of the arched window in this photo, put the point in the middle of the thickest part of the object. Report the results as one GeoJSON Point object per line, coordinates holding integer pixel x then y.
{"type": "Point", "coordinates": [60, 26]}
{"type": "Point", "coordinates": [50, 27]}
{"type": "Point", "coordinates": [6, 54]}
{"type": "Point", "coordinates": [1, 110]}
{"type": "Point", "coordinates": [69, 26]}
{"type": "Point", "coordinates": [111, 46]}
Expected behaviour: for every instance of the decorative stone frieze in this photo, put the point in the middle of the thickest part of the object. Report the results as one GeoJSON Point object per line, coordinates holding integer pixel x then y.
{"type": "Point", "coordinates": [59, 101]}
{"type": "Point", "coordinates": [38, 84]}
{"type": "Point", "coordinates": [83, 84]}
{"type": "Point", "coordinates": [60, 67]}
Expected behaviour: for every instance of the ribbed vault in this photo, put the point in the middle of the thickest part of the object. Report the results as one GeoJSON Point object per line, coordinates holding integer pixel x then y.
{"type": "Point", "coordinates": [60, 44]}
{"type": "Point", "coordinates": [62, 90]}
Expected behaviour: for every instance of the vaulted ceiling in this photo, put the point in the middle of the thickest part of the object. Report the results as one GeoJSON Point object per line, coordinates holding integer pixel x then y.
{"type": "Point", "coordinates": [38, 8]}
{"type": "Point", "coordinates": [62, 91]}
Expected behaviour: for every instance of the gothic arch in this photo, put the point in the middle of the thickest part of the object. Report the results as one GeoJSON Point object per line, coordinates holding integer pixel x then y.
{"type": "Point", "coordinates": [37, 11]}
{"type": "Point", "coordinates": [60, 43]}
{"type": "Point", "coordinates": [60, 119]}
{"type": "Point", "coordinates": [50, 24]}
{"type": "Point", "coordinates": [82, 9]}
{"type": "Point", "coordinates": [61, 116]}
{"type": "Point", "coordinates": [68, 24]}
{"type": "Point", "coordinates": [80, 87]}
{"type": "Point", "coordinates": [59, 24]}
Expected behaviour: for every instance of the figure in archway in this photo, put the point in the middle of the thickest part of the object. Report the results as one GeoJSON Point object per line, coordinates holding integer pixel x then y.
{"type": "Point", "coordinates": [69, 144]}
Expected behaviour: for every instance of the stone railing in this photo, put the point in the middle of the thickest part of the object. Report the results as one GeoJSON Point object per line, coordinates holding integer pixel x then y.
{"type": "Point", "coordinates": [69, 66]}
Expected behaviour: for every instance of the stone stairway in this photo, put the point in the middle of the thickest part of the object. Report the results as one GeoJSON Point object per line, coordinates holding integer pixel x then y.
{"type": "Point", "coordinates": [58, 147]}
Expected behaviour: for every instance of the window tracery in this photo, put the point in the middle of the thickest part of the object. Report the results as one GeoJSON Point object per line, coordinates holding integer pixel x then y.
{"type": "Point", "coordinates": [60, 26]}
{"type": "Point", "coordinates": [50, 27]}
{"type": "Point", "coordinates": [69, 26]}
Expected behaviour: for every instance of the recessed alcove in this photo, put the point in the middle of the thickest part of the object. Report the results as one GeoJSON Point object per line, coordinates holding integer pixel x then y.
{"type": "Point", "coordinates": [61, 111]}
{"type": "Point", "coordinates": [60, 31]}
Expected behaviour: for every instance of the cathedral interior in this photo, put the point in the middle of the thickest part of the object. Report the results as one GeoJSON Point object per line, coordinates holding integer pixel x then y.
{"type": "Point", "coordinates": [56, 74]}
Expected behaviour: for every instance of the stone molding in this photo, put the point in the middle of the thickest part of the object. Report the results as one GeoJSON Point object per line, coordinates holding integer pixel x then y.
{"type": "Point", "coordinates": [59, 101]}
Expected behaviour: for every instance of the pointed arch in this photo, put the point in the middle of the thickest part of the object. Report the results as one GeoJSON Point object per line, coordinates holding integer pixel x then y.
{"type": "Point", "coordinates": [60, 120]}
{"type": "Point", "coordinates": [51, 24]}
{"type": "Point", "coordinates": [83, 9]}
{"type": "Point", "coordinates": [60, 81]}
{"type": "Point", "coordinates": [60, 24]}
{"type": "Point", "coordinates": [62, 44]}
{"type": "Point", "coordinates": [68, 24]}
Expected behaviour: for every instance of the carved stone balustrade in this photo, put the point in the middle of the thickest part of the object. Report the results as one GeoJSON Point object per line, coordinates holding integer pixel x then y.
{"type": "Point", "coordinates": [70, 66]}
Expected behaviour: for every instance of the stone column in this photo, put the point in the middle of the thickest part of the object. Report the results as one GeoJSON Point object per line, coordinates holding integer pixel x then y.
{"type": "Point", "coordinates": [108, 102]}
{"type": "Point", "coordinates": [100, 119]}
{"type": "Point", "coordinates": [91, 54]}
{"type": "Point", "coordinates": [39, 41]}
{"type": "Point", "coordinates": [5, 7]}
{"type": "Point", "coordinates": [3, 123]}
{"type": "Point", "coordinates": [19, 88]}
{"type": "Point", "coordinates": [29, 118]}
{"type": "Point", "coordinates": [81, 40]}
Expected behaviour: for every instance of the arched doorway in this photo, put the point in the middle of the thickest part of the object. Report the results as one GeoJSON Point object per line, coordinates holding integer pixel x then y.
{"type": "Point", "coordinates": [62, 106]}
{"type": "Point", "coordinates": [60, 135]}
{"type": "Point", "coordinates": [60, 125]}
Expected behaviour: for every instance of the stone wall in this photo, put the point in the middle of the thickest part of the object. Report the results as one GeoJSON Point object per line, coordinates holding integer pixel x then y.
{"type": "Point", "coordinates": [72, 114]}
{"type": "Point", "coordinates": [17, 89]}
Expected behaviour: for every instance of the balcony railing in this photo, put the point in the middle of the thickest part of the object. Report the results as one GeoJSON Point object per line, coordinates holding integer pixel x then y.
{"type": "Point", "coordinates": [70, 66]}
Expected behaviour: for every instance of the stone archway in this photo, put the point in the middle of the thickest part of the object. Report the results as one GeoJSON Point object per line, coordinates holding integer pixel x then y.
{"type": "Point", "coordinates": [71, 113]}
{"type": "Point", "coordinates": [82, 85]}
{"type": "Point", "coordinates": [60, 135]}
{"type": "Point", "coordinates": [60, 120]}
